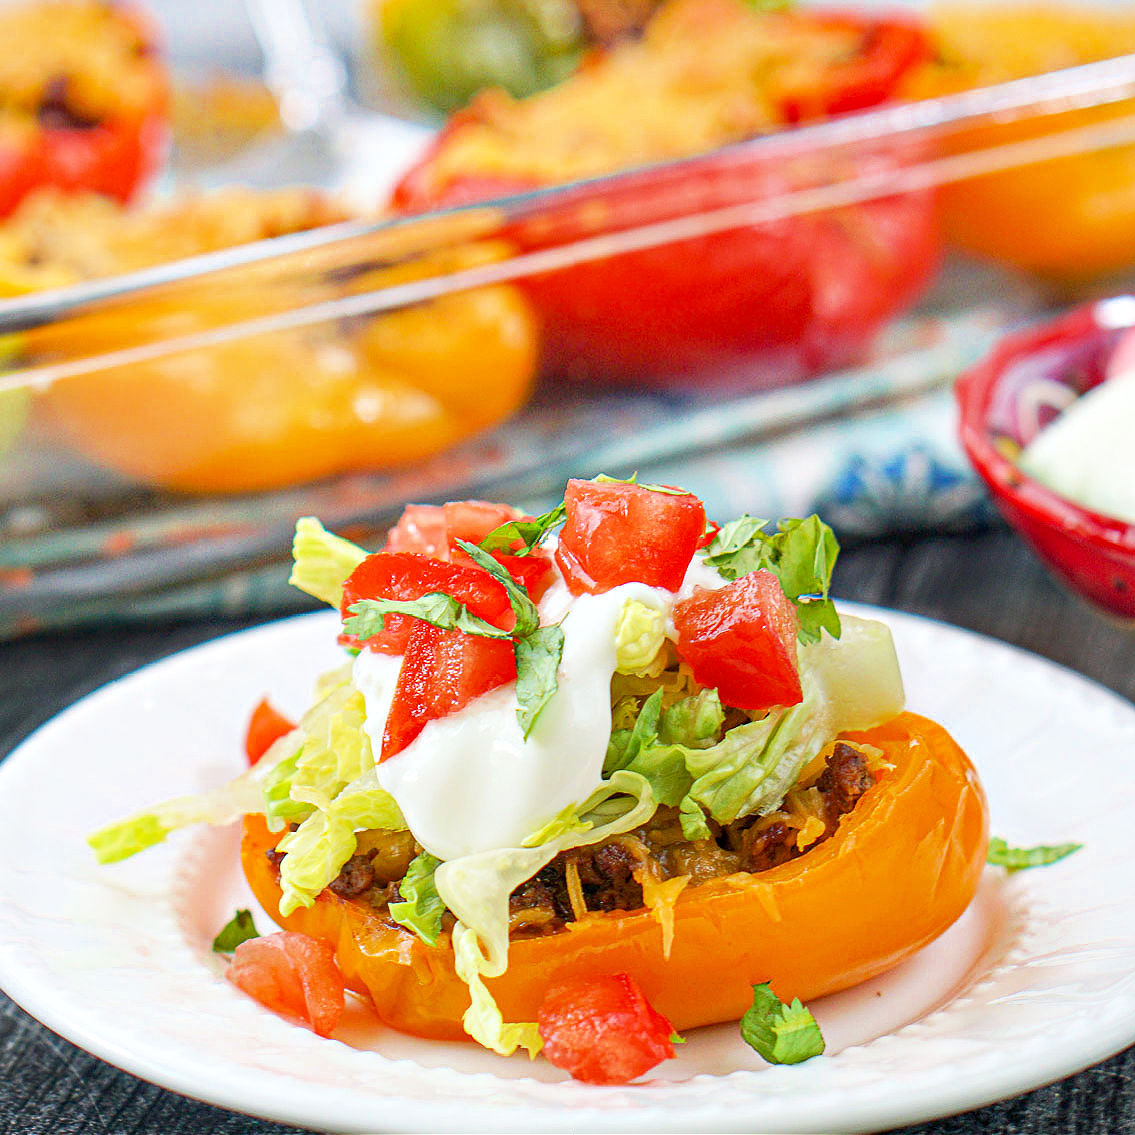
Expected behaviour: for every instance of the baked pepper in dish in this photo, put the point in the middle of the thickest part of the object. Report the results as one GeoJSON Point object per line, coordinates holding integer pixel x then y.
{"type": "Point", "coordinates": [781, 299]}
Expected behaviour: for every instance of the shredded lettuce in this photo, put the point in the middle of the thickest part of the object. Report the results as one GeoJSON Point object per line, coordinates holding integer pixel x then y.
{"type": "Point", "coordinates": [322, 561]}
{"type": "Point", "coordinates": [219, 806]}
{"type": "Point", "coordinates": [316, 851]}
{"type": "Point", "coordinates": [681, 751]}
{"type": "Point", "coordinates": [850, 684]}
{"type": "Point", "coordinates": [420, 908]}
{"type": "Point", "coordinates": [483, 1020]}
{"type": "Point", "coordinates": [476, 889]}
{"type": "Point", "coordinates": [333, 750]}
{"type": "Point", "coordinates": [640, 631]}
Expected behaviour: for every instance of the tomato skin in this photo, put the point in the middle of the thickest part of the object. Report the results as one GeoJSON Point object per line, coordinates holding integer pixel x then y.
{"type": "Point", "coordinates": [901, 868]}
{"type": "Point", "coordinates": [741, 640]}
{"type": "Point", "coordinates": [617, 532]}
{"type": "Point", "coordinates": [603, 1030]}
{"type": "Point", "coordinates": [442, 672]}
{"type": "Point", "coordinates": [265, 727]}
{"type": "Point", "coordinates": [410, 575]}
{"type": "Point", "coordinates": [294, 975]}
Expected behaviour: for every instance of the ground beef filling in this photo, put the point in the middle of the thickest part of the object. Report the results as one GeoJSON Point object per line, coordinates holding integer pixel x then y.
{"type": "Point", "coordinates": [606, 876]}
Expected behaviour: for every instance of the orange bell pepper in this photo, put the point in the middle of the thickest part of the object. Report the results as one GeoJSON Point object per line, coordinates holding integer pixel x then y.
{"type": "Point", "coordinates": [1069, 219]}
{"type": "Point", "coordinates": [277, 409]}
{"type": "Point", "coordinates": [898, 871]}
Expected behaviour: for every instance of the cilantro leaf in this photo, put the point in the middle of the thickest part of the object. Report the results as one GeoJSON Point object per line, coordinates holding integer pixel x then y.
{"type": "Point", "coordinates": [368, 616]}
{"type": "Point", "coordinates": [780, 1033]}
{"type": "Point", "coordinates": [531, 532]}
{"type": "Point", "coordinates": [668, 490]}
{"type": "Point", "coordinates": [801, 554]}
{"type": "Point", "coordinates": [537, 662]}
{"type": "Point", "coordinates": [239, 928]}
{"type": "Point", "coordinates": [421, 907]}
{"type": "Point", "coordinates": [527, 616]}
{"type": "Point", "coordinates": [1000, 854]}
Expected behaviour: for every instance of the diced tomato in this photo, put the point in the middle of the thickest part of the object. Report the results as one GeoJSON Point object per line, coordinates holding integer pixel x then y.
{"type": "Point", "coordinates": [534, 573]}
{"type": "Point", "coordinates": [265, 727]}
{"type": "Point", "coordinates": [294, 975]}
{"type": "Point", "coordinates": [434, 529]}
{"type": "Point", "coordinates": [603, 1030]}
{"type": "Point", "coordinates": [420, 528]}
{"type": "Point", "coordinates": [408, 575]}
{"type": "Point", "coordinates": [622, 533]}
{"type": "Point", "coordinates": [741, 640]}
{"type": "Point", "coordinates": [442, 672]}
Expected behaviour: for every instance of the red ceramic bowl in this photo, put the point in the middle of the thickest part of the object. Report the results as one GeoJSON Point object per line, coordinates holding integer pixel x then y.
{"type": "Point", "coordinates": [1006, 400]}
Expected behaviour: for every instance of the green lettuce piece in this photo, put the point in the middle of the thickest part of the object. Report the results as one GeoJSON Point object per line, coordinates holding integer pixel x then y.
{"type": "Point", "coordinates": [695, 722]}
{"type": "Point", "coordinates": [801, 554]}
{"type": "Point", "coordinates": [316, 851]}
{"type": "Point", "coordinates": [1000, 854]}
{"type": "Point", "coordinates": [483, 1020]}
{"type": "Point", "coordinates": [335, 751]}
{"type": "Point", "coordinates": [420, 908]}
{"type": "Point", "coordinates": [657, 745]}
{"type": "Point", "coordinates": [780, 1033]}
{"type": "Point", "coordinates": [691, 816]}
{"type": "Point", "coordinates": [322, 561]}
{"type": "Point", "coordinates": [640, 631]}
{"type": "Point", "coordinates": [476, 889]}
{"type": "Point", "coordinates": [742, 772]}
{"type": "Point", "coordinates": [219, 806]}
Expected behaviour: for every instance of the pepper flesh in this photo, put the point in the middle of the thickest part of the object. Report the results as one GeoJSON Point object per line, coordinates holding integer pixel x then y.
{"type": "Point", "coordinates": [901, 868]}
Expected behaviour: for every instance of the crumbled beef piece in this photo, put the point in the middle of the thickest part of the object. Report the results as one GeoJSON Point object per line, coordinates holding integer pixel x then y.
{"type": "Point", "coordinates": [273, 856]}
{"type": "Point", "coordinates": [609, 882]}
{"type": "Point", "coordinates": [536, 894]}
{"type": "Point", "coordinates": [844, 780]}
{"type": "Point", "coordinates": [762, 848]}
{"type": "Point", "coordinates": [356, 876]}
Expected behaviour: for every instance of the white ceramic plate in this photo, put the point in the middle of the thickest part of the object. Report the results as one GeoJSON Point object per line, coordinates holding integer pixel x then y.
{"type": "Point", "coordinates": [1036, 981]}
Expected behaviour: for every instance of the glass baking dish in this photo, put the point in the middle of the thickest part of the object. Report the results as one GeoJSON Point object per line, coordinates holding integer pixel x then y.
{"type": "Point", "coordinates": [683, 311]}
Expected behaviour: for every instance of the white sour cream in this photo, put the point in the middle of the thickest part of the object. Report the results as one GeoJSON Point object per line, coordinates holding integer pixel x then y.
{"type": "Point", "coordinates": [470, 782]}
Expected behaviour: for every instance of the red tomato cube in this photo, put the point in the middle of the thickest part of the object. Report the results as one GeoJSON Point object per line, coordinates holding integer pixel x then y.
{"type": "Point", "coordinates": [442, 672]}
{"type": "Point", "coordinates": [741, 640]}
{"type": "Point", "coordinates": [265, 728]}
{"type": "Point", "coordinates": [617, 532]}
{"type": "Point", "coordinates": [602, 1030]}
{"type": "Point", "coordinates": [408, 575]}
{"type": "Point", "coordinates": [294, 975]}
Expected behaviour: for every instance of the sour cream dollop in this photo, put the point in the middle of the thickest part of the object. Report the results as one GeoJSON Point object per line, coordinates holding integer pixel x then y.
{"type": "Point", "coordinates": [470, 782]}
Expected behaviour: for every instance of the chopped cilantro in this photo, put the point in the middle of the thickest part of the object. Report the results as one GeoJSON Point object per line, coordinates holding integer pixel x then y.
{"type": "Point", "coordinates": [239, 928]}
{"type": "Point", "coordinates": [780, 1033]}
{"type": "Point", "coordinates": [1000, 854]}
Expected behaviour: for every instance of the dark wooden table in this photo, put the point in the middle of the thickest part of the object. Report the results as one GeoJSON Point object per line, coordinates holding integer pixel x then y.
{"type": "Point", "coordinates": [986, 582]}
